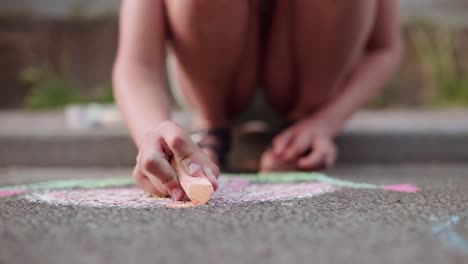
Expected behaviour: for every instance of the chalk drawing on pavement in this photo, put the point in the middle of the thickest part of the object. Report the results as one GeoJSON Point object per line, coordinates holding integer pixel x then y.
{"type": "Point", "coordinates": [445, 229]}
{"type": "Point", "coordinates": [234, 189]}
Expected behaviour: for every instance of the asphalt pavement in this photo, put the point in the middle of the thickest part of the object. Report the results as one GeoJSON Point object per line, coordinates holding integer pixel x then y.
{"type": "Point", "coordinates": [346, 226]}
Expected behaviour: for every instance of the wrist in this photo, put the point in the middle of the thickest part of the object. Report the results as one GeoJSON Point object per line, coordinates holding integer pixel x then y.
{"type": "Point", "coordinates": [329, 123]}
{"type": "Point", "coordinates": [147, 128]}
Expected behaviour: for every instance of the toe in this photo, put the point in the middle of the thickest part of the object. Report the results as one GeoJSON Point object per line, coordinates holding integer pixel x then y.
{"type": "Point", "coordinates": [269, 162]}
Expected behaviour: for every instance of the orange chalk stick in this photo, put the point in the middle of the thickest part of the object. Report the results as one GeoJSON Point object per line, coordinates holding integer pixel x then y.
{"type": "Point", "coordinates": [198, 189]}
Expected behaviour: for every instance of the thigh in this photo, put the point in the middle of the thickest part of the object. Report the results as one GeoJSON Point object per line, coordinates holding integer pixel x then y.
{"type": "Point", "coordinates": [209, 34]}
{"type": "Point", "coordinates": [209, 40]}
{"type": "Point", "coordinates": [329, 39]}
{"type": "Point", "coordinates": [311, 48]}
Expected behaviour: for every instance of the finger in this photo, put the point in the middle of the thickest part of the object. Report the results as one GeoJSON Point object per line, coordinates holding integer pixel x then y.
{"type": "Point", "coordinates": [153, 161]}
{"type": "Point", "coordinates": [145, 184]}
{"type": "Point", "coordinates": [212, 174]}
{"type": "Point", "coordinates": [174, 190]}
{"type": "Point", "coordinates": [209, 169]}
{"type": "Point", "coordinates": [330, 159]}
{"type": "Point", "coordinates": [296, 148]}
{"type": "Point", "coordinates": [281, 141]}
{"type": "Point", "coordinates": [160, 172]}
{"type": "Point", "coordinates": [155, 164]}
{"type": "Point", "coordinates": [313, 160]}
{"type": "Point", "coordinates": [188, 155]}
{"type": "Point", "coordinates": [182, 147]}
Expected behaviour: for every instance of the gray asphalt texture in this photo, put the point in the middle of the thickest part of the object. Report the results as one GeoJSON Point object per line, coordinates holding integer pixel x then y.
{"type": "Point", "coordinates": [347, 226]}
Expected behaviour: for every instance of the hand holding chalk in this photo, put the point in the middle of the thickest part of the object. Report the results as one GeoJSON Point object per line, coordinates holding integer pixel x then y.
{"type": "Point", "coordinates": [168, 158]}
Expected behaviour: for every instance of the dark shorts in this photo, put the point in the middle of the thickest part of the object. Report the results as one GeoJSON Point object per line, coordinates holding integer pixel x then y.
{"type": "Point", "coordinates": [266, 12]}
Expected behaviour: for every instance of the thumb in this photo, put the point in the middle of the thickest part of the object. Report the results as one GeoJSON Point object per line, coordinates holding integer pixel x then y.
{"type": "Point", "coordinates": [198, 188]}
{"type": "Point", "coordinates": [182, 147]}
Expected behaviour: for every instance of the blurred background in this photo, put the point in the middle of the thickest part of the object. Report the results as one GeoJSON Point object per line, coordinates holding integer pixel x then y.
{"type": "Point", "coordinates": [56, 58]}
{"type": "Point", "coordinates": [59, 52]}
{"type": "Point", "coordinates": [57, 122]}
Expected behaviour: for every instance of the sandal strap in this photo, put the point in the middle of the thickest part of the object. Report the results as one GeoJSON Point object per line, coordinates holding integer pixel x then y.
{"type": "Point", "coordinates": [220, 152]}
{"type": "Point", "coordinates": [221, 147]}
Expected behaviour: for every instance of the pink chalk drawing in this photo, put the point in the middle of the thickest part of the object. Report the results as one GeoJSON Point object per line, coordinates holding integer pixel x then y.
{"type": "Point", "coordinates": [407, 188]}
{"type": "Point", "coordinates": [12, 192]}
{"type": "Point", "coordinates": [238, 189]}
{"type": "Point", "coordinates": [135, 198]}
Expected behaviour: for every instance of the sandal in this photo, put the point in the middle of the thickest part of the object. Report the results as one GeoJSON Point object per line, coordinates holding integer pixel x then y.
{"type": "Point", "coordinates": [217, 140]}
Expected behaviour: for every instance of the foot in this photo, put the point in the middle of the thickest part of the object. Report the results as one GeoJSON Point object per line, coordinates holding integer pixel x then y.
{"type": "Point", "coordinates": [269, 162]}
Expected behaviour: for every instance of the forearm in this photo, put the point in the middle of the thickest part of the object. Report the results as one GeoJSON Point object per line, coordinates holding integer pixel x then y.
{"type": "Point", "coordinates": [142, 98]}
{"type": "Point", "coordinates": [365, 82]}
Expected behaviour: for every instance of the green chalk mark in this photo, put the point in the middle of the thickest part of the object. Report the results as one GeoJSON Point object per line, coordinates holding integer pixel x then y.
{"type": "Point", "coordinates": [325, 179]}
{"type": "Point", "coordinates": [286, 177]}
{"type": "Point", "coordinates": [75, 183]}
{"type": "Point", "coordinates": [291, 177]}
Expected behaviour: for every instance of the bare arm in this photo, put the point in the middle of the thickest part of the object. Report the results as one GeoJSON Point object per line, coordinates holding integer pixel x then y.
{"type": "Point", "coordinates": [380, 60]}
{"type": "Point", "coordinates": [138, 77]}
{"type": "Point", "coordinates": [166, 153]}
{"type": "Point", "coordinates": [377, 64]}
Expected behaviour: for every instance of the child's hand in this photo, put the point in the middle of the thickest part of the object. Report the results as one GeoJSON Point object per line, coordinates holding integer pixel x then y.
{"type": "Point", "coordinates": [307, 134]}
{"type": "Point", "coordinates": [165, 151]}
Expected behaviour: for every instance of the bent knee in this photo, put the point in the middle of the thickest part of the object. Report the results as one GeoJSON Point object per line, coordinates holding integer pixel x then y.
{"type": "Point", "coordinates": [194, 13]}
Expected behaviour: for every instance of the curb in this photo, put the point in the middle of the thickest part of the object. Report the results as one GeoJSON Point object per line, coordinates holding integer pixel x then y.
{"type": "Point", "coordinates": [370, 137]}
{"type": "Point", "coordinates": [101, 149]}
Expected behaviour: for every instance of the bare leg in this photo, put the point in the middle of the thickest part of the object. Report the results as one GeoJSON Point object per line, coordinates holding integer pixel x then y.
{"type": "Point", "coordinates": [215, 45]}
{"type": "Point", "coordinates": [328, 38]}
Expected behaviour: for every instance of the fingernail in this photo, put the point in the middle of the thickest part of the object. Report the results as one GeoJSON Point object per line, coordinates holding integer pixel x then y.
{"type": "Point", "coordinates": [193, 168]}
{"type": "Point", "coordinates": [211, 176]}
{"type": "Point", "coordinates": [209, 173]}
{"type": "Point", "coordinates": [177, 194]}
